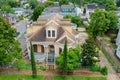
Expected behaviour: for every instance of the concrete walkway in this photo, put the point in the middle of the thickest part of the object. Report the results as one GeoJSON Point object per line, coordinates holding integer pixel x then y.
{"type": "Point", "coordinates": [112, 75]}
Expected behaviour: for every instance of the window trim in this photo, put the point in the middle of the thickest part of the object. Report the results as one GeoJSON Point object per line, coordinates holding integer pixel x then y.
{"type": "Point", "coordinates": [51, 33]}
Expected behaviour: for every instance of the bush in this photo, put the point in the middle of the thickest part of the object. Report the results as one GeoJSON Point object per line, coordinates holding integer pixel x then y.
{"type": "Point", "coordinates": [95, 67]}
{"type": "Point", "coordinates": [104, 70]}
{"type": "Point", "coordinates": [42, 68]}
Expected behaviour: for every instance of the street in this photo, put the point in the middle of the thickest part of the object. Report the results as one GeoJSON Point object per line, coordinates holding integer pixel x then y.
{"type": "Point", "coordinates": [21, 27]}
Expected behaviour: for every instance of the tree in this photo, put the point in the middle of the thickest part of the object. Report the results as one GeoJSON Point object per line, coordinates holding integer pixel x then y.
{"type": "Point", "coordinates": [118, 3]}
{"type": "Point", "coordinates": [98, 24]}
{"type": "Point", "coordinates": [113, 20]}
{"type": "Point", "coordinates": [65, 58]}
{"type": "Point", "coordinates": [13, 3]}
{"type": "Point", "coordinates": [74, 19]}
{"type": "Point", "coordinates": [84, 11]}
{"type": "Point", "coordinates": [34, 71]}
{"type": "Point", "coordinates": [33, 3]}
{"type": "Point", "coordinates": [101, 21]}
{"type": "Point", "coordinates": [37, 11]}
{"type": "Point", "coordinates": [88, 53]}
{"type": "Point", "coordinates": [9, 47]}
{"type": "Point", "coordinates": [110, 5]}
{"type": "Point", "coordinates": [7, 9]}
{"type": "Point", "coordinates": [62, 2]}
{"type": "Point", "coordinates": [73, 59]}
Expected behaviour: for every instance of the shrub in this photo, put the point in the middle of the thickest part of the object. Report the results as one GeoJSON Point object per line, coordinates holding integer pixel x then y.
{"type": "Point", "coordinates": [95, 67]}
{"type": "Point", "coordinates": [104, 70]}
{"type": "Point", "coordinates": [42, 68]}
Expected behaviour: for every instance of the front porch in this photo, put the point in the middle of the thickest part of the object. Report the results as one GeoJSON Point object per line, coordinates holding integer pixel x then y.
{"type": "Point", "coordinates": [44, 54]}
{"type": "Point", "coordinates": [39, 56]}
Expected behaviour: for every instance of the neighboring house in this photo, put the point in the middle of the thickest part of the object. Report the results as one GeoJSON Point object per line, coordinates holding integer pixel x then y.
{"type": "Point", "coordinates": [67, 8]}
{"type": "Point", "coordinates": [19, 11]}
{"type": "Point", "coordinates": [41, 1]}
{"type": "Point", "coordinates": [118, 44]}
{"type": "Point", "coordinates": [118, 36]}
{"type": "Point", "coordinates": [11, 18]}
{"type": "Point", "coordinates": [63, 10]}
{"type": "Point", "coordinates": [48, 35]}
{"type": "Point", "coordinates": [91, 7]}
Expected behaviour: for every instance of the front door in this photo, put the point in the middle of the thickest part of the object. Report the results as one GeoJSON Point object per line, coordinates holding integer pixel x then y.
{"type": "Point", "coordinates": [35, 48]}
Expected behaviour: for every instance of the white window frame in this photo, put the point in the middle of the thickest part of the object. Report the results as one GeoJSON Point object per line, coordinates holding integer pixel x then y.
{"type": "Point", "coordinates": [50, 33]}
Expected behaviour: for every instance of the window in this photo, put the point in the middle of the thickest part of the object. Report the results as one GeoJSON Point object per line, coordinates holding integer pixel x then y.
{"type": "Point", "coordinates": [49, 33]}
{"type": "Point", "coordinates": [53, 33]}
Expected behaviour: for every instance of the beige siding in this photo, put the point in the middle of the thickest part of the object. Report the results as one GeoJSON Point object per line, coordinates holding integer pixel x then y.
{"type": "Point", "coordinates": [39, 48]}
{"type": "Point", "coordinates": [56, 50]}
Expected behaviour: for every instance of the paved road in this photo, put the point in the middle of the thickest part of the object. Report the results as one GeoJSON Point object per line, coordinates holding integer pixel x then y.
{"type": "Point", "coordinates": [21, 27]}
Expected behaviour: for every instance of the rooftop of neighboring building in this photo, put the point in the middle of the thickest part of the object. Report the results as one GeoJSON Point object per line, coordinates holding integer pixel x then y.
{"type": "Point", "coordinates": [18, 9]}
{"type": "Point", "coordinates": [94, 5]}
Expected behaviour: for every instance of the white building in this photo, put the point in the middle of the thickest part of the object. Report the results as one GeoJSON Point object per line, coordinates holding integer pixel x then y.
{"type": "Point", "coordinates": [118, 44]}
{"type": "Point", "coordinates": [19, 11]}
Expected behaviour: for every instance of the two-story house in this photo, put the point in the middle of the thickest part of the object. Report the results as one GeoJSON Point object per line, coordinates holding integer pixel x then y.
{"type": "Point", "coordinates": [48, 35]}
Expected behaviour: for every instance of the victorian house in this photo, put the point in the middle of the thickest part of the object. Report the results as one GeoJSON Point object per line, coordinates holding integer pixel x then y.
{"type": "Point", "coordinates": [48, 35]}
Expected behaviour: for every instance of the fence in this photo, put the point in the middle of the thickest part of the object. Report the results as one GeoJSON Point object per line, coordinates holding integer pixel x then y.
{"type": "Point", "coordinates": [102, 45]}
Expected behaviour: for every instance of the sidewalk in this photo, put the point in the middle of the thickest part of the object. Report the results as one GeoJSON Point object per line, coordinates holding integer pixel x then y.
{"type": "Point", "coordinates": [112, 75]}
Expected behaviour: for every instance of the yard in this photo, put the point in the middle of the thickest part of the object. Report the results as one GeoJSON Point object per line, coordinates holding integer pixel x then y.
{"type": "Point", "coordinates": [79, 78]}
{"type": "Point", "coordinates": [19, 77]}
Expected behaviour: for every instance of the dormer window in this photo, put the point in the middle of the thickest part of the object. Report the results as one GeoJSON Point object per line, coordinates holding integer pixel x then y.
{"type": "Point", "coordinates": [51, 33]}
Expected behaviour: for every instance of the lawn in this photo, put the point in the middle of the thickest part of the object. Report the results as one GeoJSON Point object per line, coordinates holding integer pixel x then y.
{"type": "Point", "coordinates": [19, 77]}
{"type": "Point", "coordinates": [79, 78]}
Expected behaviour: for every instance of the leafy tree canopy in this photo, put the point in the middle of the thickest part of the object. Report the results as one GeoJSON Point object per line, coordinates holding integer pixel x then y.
{"type": "Point", "coordinates": [73, 58]}
{"type": "Point", "coordinates": [33, 3]}
{"type": "Point", "coordinates": [101, 21]}
{"type": "Point", "coordinates": [62, 2]}
{"type": "Point", "coordinates": [12, 3]}
{"type": "Point", "coordinates": [74, 19]}
{"type": "Point", "coordinates": [118, 3]}
{"type": "Point", "coordinates": [88, 53]}
{"type": "Point", "coordinates": [9, 47]}
{"type": "Point", "coordinates": [37, 11]}
{"type": "Point", "coordinates": [7, 9]}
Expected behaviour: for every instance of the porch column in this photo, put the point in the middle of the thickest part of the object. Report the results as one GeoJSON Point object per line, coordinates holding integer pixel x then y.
{"type": "Point", "coordinates": [46, 51]}
{"type": "Point", "coordinates": [28, 49]}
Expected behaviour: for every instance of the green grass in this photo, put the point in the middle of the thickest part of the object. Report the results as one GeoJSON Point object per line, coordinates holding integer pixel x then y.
{"type": "Point", "coordinates": [78, 78]}
{"type": "Point", "coordinates": [19, 77]}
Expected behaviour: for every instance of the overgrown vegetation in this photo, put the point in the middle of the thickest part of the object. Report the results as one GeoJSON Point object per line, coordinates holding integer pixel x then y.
{"type": "Point", "coordinates": [73, 59]}
{"type": "Point", "coordinates": [74, 19]}
{"type": "Point", "coordinates": [89, 53]}
{"type": "Point", "coordinates": [101, 21]}
{"type": "Point", "coordinates": [9, 47]}
{"type": "Point", "coordinates": [98, 68]}
{"type": "Point", "coordinates": [39, 9]}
